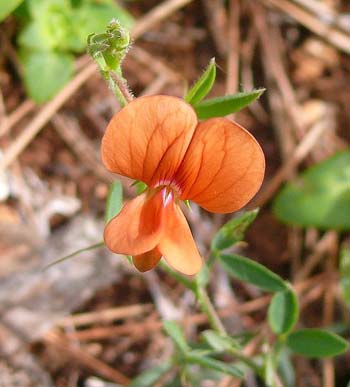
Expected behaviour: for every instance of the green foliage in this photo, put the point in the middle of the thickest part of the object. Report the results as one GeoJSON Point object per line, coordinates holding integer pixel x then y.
{"type": "Point", "coordinates": [6, 7]}
{"type": "Point", "coordinates": [109, 48]}
{"type": "Point", "coordinates": [54, 30]}
{"type": "Point", "coordinates": [252, 272]}
{"type": "Point", "coordinates": [285, 368]}
{"type": "Point", "coordinates": [283, 312]}
{"type": "Point", "coordinates": [199, 356]}
{"type": "Point", "coordinates": [214, 364]}
{"type": "Point", "coordinates": [45, 72]}
{"type": "Point", "coordinates": [103, 14]}
{"type": "Point", "coordinates": [114, 200]}
{"type": "Point", "coordinates": [316, 343]}
{"type": "Point", "coordinates": [319, 197]}
{"type": "Point", "coordinates": [140, 186]}
{"type": "Point", "coordinates": [174, 331]}
{"type": "Point", "coordinates": [202, 278]}
{"type": "Point", "coordinates": [269, 368]}
{"type": "Point", "coordinates": [149, 377]}
{"type": "Point", "coordinates": [233, 231]}
{"type": "Point", "coordinates": [344, 270]}
{"type": "Point", "coordinates": [220, 342]}
{"type": "Point", "coordinates": [222, 106]}
{"type": "Point", "coordinates": [203, 86]}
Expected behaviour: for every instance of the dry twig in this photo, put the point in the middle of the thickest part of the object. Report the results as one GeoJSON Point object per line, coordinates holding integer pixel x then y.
{"type": "Point", "coordinates": [319, 25]}
{"type": "Point", "coordinates": [87, 360]}
{"type": "Point", "coordinates": [217, 20]}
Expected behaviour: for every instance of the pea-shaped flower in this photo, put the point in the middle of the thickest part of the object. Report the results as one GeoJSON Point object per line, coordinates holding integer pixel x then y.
{"type": "Point", "coordinates": [158, 140]}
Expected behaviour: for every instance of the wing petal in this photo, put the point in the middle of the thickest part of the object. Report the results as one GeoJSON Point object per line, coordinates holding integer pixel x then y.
{"type": "Point", "coordinates": [223, 167]}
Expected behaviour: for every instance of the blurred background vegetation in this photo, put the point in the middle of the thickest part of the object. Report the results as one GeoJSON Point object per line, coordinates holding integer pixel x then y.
{"type": "Point", "coordinates": [94, 318]}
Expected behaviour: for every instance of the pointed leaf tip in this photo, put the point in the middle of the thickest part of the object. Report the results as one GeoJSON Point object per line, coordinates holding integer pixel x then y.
{"type": "Point", "coordinates": [252, 272]}
{"type": "Point", "coordinates": [203, 86]}
{"type": "Point", "coordinates": [233, 231]}
{"type": "Point", "coordinates": [223, 106]}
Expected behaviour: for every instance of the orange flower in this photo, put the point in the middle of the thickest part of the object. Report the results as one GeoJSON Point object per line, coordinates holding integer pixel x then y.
{"type": "Point", "coordinates": [158, 140]}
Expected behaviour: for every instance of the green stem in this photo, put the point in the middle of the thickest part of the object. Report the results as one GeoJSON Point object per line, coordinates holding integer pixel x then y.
{"type": "Point", "coordinates": [177, 276]}
{"type": "Point", "coordinates": [212, 258]}
{"type": "Point", "coordinates": [244, 359]}
{"type": "Point", "coordinates": [121, 85]}
{"type": "Point", "coordinates": [77, 252]}
{"type": "Point", "coordinates": [208, 308]}
{"type": "Point", "coordinates": [215, 322]}
{"type": "Point", "coordinates": [116, 91]}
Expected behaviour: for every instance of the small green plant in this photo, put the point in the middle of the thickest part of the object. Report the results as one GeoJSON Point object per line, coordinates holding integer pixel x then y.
{"type": "Point", "coordinates": [51, 33]}
{"type": "Point", "coordinates": [216, 352]}
{"type": "Point", "coordinates": [319, 197]}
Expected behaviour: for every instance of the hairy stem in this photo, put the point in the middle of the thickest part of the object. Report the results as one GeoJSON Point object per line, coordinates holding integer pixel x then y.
{"type": "Point", "coordinates": [120, 88]}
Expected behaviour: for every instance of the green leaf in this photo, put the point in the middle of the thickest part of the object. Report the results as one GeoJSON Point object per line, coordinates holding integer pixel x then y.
{"type": "Point", "coordinates": [35, 37]}
{"type": "Point", "coordinates": [114, 200]}
{"type": "Point", "coordinates": [252, 272]}
{"type": "Point", "coordinates": [344, 271]}
{"type": "Point", "coordinates": [283, 312]}
{"type": "Point", "coordinates": [149, 377]}
{"type": "Point", "coordinates": [233, 231]}
{"type": "Point", "coordinates": [51, 27]}
{"type": "Point", "coordinates": [320, 197]}
{"type": "Point", "coordinates": [175, 332]}
{"type": "Point", "coordinates": [6, 7]}
{"type": "Point", "coordinates": [217, 365]}
{"type": "Point", "coordinates": [220, 342]}
{"type": "Point", "coordinates": [45, 73]}
{"type": "Point", "coordinates": [203, 86]}
{"type": "Point", "coordinates": [316, 343]}
{"type": "Point", "coordinates": [222, 106]}
{"type": "Point", "coordinates": [285, 368]}
{"type": "Point", "coordinates": [71, 255]}
{"type": "Point", "coordinates": [56, 25]}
